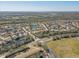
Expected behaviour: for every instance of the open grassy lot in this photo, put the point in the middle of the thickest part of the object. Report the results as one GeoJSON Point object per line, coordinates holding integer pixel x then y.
{"type": "Point", "coordinates": [67, 47]}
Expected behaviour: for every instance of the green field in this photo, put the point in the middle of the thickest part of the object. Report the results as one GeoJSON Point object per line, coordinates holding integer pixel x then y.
{"type": "Point", "coordinates": [67, 47]}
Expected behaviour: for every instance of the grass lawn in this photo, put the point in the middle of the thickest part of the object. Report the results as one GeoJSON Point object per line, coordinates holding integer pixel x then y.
{"type": "Point", "coordinates": [67, 47]}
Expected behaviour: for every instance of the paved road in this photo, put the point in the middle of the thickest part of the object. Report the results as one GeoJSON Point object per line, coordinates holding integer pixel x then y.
{"type": "Point", "coordinates": [51, 55]}
{"type": "Point", "coordinates": [44, 27]}
{"type": "Point", "coordinates": [35, 38]}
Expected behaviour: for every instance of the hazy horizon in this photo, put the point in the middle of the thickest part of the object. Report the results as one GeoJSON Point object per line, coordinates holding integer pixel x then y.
{"type": "Point", "coordinates": [39, 6]}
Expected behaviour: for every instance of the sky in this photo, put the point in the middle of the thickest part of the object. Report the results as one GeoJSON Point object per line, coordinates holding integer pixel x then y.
{"type": "Point", "coordinates": [39, 5]}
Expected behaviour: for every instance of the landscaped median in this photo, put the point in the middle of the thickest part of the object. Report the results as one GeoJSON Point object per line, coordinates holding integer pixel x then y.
{"type": "Point", "coordinates": [67, 47]}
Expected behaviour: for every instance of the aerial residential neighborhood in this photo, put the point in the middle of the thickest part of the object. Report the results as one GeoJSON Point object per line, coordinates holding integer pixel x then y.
{"type": "Point", "coordinates": [39, 29]}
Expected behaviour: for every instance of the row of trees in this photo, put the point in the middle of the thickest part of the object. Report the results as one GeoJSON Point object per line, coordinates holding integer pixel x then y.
{"type": "Point", "coordinates": [53, 33]}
